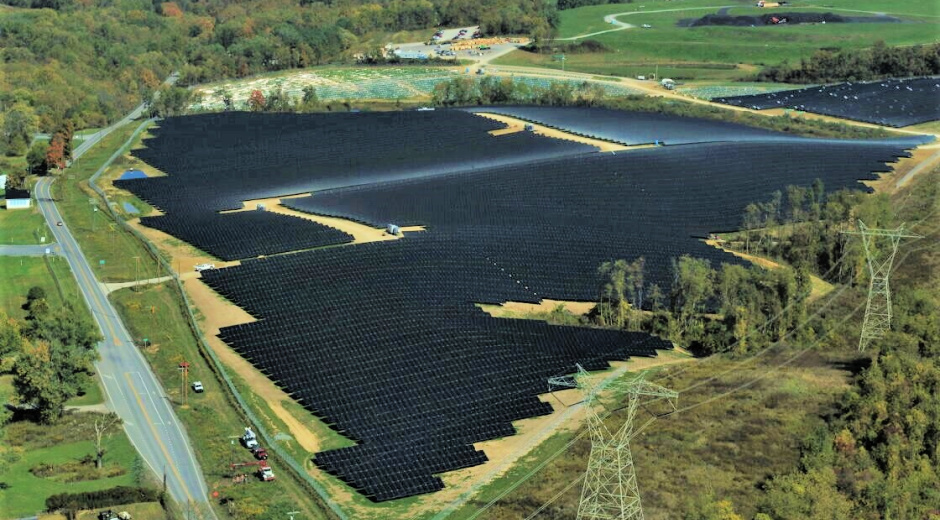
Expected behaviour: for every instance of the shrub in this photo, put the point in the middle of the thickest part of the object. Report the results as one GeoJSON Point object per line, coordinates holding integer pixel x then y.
{"type": "Point", "coordinates": [104, 498]}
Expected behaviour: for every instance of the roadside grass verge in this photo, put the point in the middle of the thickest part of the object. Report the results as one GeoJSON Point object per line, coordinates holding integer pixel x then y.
{"type": "Point", "coordinates": [27, 445]}
{"type": "Point", "coordinates": [90, 393]}
{"type": "Point", "coordinates": [22, 226]}
{"type": "Point", "coordinates": [212, 420]}
{"type": "Point", "coordinates": [109, 248]}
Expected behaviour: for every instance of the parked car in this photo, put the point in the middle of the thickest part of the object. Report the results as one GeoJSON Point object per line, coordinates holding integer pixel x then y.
{"type": "Point", "coordinates": [197, 387]}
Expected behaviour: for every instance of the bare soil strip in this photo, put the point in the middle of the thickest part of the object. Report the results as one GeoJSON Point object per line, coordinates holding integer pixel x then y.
{"type": "Point", "coordinates": [217, 313]}
{"type": "Point", "coordinates": [518, 309]}
{"type": "Point", "coordinates": [361, 233]}
{"type": "Point", "coordinates": [517, 125]}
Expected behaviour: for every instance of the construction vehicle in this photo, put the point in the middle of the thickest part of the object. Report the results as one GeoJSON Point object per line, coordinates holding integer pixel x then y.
{"type": "Point", "coordinates": [249, 439]}
{"type": "Point", "coordinates": [264, 472]}
{"type": "Point", "coordinates": [260, 453]}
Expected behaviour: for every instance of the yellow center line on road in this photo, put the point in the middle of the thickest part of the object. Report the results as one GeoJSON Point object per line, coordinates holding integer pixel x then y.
{"type": "Point", "coordinates": [153, 429]}
{"type": "Point", "coordinates": [96, 301]}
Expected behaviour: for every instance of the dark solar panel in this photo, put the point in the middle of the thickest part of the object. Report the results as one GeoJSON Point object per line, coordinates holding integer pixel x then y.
{"type": "Point", "coordinates": [383, 341]}
{"type": "Point", "coordinates": [890, 102]}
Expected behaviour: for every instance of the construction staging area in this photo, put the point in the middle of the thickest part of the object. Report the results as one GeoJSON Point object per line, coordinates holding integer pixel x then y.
{"type": "Point", "coordinates": [383, 339]}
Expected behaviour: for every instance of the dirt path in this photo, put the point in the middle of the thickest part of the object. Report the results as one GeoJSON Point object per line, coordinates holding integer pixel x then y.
{"type": "Point", "coordinates": [111, 287]}
{"type": "Point", "coordinates": [819, 289]}
{"type": "Point", "coordinates": [217, 313]}
{"type": "Point", "coordinates": [518, 125]}
{"type": "Point", "coordinates": [361, 233]}
{"type": "Point", "coordinates": [620, 26]}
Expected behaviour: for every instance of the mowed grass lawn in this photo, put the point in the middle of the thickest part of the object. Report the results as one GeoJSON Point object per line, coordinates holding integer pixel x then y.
{"type": "Point", "coordinates": [19, 273]}
{"type": "Point", "coordinates": [28, 445]}
{"type": "Point", "coordinates": [692, 53]}
{"type": "Point", "coordinates": [22, 226]}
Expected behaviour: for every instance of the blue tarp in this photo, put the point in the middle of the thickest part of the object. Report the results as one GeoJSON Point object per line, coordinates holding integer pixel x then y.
{"type": "Point", "coordinates": [133, 174]}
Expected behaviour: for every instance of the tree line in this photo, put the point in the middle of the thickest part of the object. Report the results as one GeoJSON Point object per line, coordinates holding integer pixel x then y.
{"type": "Point", "coordinates": [879, 62]}
{"type": "Point", "coordinates": [728, 308]}
{"type": "Point", "coordinates": [91, 63]}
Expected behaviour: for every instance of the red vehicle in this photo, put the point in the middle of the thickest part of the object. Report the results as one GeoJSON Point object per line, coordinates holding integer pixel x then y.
{"type": "Point", "coordinates": [260, 453]}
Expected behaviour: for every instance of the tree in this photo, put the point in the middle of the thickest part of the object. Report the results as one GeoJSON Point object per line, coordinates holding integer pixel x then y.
{"type": "Point", "coordinates": [46, 375]}
{"type": "Point", "coordinates": [613, 305]}
{"type": "Point", "coordinates": [35, 293]}
{"type": "Point", "coordinates": [310, 101]}
{"type": "Point", "coordinates": [55, 154]}
{"type": "Point", "coordinates": [19, 124]}
{"type": "Point", "coordinates": [693, 286]}
{"type": "Point", "coordinates": [62, 326]}
{"type": "Point", "coordinates": [103, 426]}
{"type": "Point", "coordinates": [256, 101]}
{"type": "Point", "coordinates": [36, 158]}
{"type": "Point", "coordinates": [806, 496]}
{"type": "Point", "coordinates": [11, 339]}
{"type": "Point", "coordinates": [170, 101]}
{"type": "Point", "coordinates": [752, 221]}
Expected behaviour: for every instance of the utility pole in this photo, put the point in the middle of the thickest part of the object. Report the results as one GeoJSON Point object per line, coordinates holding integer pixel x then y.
{"type": "Point", "coordinates": [879, 260]}
{"type": "Point", "coordinates": [136, 271]}
{"type": "Point", "coordinates": [184, 379]}
{"type": "Point", "coordinates": [610, 490]}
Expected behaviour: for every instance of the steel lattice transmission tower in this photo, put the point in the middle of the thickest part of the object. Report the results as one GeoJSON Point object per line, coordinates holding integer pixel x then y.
{"type": "Point", "coordinates": [610, 489]}
{"type": "Point", "coordinates": [879, 259]}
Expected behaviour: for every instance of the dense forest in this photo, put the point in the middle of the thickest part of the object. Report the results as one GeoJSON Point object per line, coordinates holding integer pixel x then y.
{"type": "Point", "coordinates": [90, 61]}
{"type": "Point", "coordinates": [881, 61]}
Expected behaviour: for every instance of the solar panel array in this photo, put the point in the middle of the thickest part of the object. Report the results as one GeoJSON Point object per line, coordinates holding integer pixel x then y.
{"type": "Point", "coordinates": [890, 102]}
{"type": "Point", "coordinates": [551, 224]}
{"type": "Point", "coordinates": [383, 341]}
{"type": "Point", "coordinates": [633, 128]}
{"type": "Point", "coordinates": [214, 162]}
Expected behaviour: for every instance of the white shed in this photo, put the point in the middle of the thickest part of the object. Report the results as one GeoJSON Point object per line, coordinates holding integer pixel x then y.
{"type": "Point", "coordinates": [18, 199]}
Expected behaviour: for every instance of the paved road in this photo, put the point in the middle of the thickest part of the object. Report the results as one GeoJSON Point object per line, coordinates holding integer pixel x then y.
{"type": "Point", "coordinates": [620, 26]}
{"type": "Point", "coordinates": [132, 390]}
{"type": "Point", "coordinates": [34, 250]}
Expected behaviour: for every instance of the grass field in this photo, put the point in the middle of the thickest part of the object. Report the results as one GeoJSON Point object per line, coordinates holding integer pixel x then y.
{"type": "Point", "coordinates": [22, 226]}
{"type": "Point", "coordinates": [692, 53]}
{"type": "Point", "coordinates": [27, 445]}
{"type": "Point", "coordinates": [100, 238]}
{"type": "Point", "coordinates": [19, 273]}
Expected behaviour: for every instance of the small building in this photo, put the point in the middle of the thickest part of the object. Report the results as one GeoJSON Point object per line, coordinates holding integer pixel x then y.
{"type": "Point", "coordinates": [18, 199]}
{"type": "Point", "coordinates": [410, 55]}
